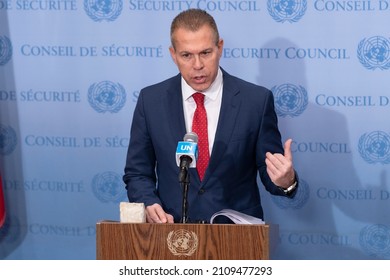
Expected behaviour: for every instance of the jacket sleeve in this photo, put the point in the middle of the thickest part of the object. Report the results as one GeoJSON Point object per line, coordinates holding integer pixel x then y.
{"type": "Point", "coordinates": [139, 174]}
{"type": "Point", "coordinates": [269, 140]}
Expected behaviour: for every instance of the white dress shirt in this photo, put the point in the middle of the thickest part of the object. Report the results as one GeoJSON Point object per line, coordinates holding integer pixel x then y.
{"type": "Point", "coordinates": [212, 103]}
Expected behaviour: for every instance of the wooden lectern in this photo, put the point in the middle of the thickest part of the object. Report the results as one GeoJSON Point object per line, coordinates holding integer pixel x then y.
{"type": "Point", "coordinates": [143, 241]}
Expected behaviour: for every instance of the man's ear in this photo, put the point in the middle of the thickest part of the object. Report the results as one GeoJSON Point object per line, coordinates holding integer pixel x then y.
{"type": "Point", "coordinates": [173, 54]}
{"type": "Point", "coordinates": [220, 47]}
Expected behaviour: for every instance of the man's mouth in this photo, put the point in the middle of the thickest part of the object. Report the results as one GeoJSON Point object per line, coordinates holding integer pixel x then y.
{"type": "Point", "coordinates": [199, 79]}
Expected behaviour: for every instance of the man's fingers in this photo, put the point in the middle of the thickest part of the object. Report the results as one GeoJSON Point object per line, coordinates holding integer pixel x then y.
{"type": "Point", "coordinates": [170, 219]}
{"type": "Point", "coordinates": [155, 214]}
{"type": "Point", "coordinates": [280, 166]}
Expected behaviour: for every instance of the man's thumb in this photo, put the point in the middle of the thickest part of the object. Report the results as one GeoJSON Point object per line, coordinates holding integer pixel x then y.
{"type": "Point", "coordinates": [287, 149]}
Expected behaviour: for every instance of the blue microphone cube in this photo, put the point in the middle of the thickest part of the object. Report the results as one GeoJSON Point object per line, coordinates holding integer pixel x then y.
{"type": "Point", "coordinates": [187, 149]}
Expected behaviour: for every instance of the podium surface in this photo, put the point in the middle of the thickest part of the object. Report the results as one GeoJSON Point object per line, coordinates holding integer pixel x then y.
{"type": "Point", "coordinates": [143, 241]}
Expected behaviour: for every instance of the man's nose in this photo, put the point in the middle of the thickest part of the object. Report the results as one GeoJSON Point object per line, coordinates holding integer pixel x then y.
{"type": "Point", "coordinates": [198, 63]}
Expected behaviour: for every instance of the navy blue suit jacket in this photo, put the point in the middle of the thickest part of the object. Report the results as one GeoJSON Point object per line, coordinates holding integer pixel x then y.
{"type": "Point", "coordinates": [247, 129]}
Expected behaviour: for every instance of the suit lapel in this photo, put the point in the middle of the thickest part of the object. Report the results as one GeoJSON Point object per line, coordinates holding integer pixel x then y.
{"type": "Point", "coordinates": [227, 118]}
{"type": "Point", "coordinates": [175, 112]}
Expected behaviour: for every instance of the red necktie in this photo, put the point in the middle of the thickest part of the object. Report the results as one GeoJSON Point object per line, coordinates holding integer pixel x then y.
{"type": "Point", "coordinates": [199, 126]}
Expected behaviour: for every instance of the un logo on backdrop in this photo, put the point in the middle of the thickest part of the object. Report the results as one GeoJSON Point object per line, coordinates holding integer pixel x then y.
{"type": "Point", "coordinates": [374, 53]}
{"type": "Point", "coordinates": [7, 140]}
{"type": "Point", "coordinates": [287, 10]}
{"type": "Point", "coordinates": [300, 199]}
{"type": "Point", "coordinates": [375, 240]}
{"type": "Point", "coordinates": [5, 50]}
{"type": "Point", "coordinates": [107, 96]}
{"type": "Point", "coordinates": [374, 147]}
{"type": "Point", "coordinates": [99, 10]}
{"type": "Point", "coordinates": [108, 187]}
{"type": "Point", "coordinates": [290, 100]}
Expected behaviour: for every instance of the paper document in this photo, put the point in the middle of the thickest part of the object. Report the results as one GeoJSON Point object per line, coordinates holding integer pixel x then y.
{"type": "Point", "coordinates": [237, 217]}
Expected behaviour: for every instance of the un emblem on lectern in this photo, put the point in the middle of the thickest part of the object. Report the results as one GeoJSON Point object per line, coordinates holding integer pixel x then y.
{"type": "Point", "coordinates": [182, 242]}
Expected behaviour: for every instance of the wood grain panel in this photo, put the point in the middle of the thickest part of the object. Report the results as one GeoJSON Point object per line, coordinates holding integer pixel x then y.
{"type": "Point", "coordinates": [126, 241]}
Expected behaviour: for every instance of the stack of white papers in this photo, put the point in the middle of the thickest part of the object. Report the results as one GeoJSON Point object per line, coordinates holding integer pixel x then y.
{"type": "Point", "coordinates": [237, 217]}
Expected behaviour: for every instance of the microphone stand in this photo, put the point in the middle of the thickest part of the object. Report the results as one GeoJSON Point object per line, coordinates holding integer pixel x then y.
{"type": "Point", "coordinates": [185, 182]}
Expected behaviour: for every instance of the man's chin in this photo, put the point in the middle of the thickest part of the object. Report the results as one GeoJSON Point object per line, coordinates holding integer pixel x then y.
{"type": "Point", "coordinates": [200, 87]}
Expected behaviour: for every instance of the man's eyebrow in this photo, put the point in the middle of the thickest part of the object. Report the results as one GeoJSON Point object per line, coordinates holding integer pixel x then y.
{"type": "Point", "coordinates": [205, 50]}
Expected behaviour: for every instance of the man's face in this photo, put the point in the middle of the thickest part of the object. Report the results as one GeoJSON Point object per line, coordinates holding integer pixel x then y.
{"type": "Point", "coordinates": [197, 56]}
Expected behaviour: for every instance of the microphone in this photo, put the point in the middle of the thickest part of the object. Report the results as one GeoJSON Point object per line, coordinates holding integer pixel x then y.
{"type": "Point", "coordinates": [187, 151]}
{"type": "Point", "coordinates": [186, 156]}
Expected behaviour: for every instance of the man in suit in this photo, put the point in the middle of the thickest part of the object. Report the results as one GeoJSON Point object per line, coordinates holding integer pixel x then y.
{"type": "Point", "coordinates": [243, 137]}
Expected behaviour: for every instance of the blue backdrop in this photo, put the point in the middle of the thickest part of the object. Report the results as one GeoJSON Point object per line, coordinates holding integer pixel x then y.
{"type": "Point", "coordinates": [70, 74]}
